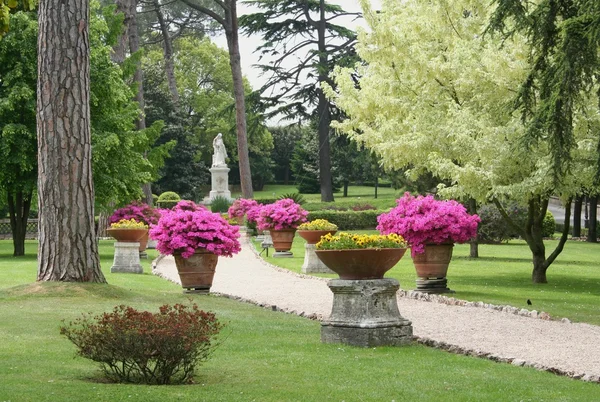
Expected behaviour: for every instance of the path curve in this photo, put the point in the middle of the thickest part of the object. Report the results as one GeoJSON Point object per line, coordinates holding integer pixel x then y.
{"type": "Point", "coordinates": [571, 349]}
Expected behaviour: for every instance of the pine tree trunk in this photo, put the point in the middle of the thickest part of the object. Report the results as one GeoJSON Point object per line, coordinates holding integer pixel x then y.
{"type": "Point", "coordinates": [120, 48]}
{"type": "Point", "coordinates": [592, 236]}
{"type": "Point", "coordinates": [68, 248]}
{"type": "Point", "coordinates": [168, 54]}
{"type": "Point", "coordinates": [325, 178]}
{"type": "Point", "coordinates": [539, 268]}
{"type": "Point", "coordinates": [231, 31]}
{"type": "Point", "coordinates": [577, 216]}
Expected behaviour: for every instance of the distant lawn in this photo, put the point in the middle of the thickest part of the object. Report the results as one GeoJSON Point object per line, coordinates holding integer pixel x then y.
{"type": "Point", "coordinates": [266, 356]}
{"type": "Point", "coordinates": [386, 196]}
{"type": "Point", "coordinates": [502, 275]}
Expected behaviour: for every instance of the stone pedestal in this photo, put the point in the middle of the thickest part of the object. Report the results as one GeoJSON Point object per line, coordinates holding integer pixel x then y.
{"type": "Point", "coordinates": [127, 258]}
{"type": "Point", "coordinates": [312, 264]}
{"type": "Point", "coordinates": [219, 183]}
{"type": "Point", "coordinates": [365, 313]}
{"type": "Point", "coordinates": [151, 244]}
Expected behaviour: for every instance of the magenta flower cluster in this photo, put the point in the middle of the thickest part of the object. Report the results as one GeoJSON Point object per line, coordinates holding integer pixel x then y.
{"type": "Point", "coordinates": [240, 207]}
{"type": "Point", "coordinates": [138, 211]}
{"type": "Point", "coordinates": [422, 220]}
{"type": "Point", "coordinates": [282, 214]}
{"type": "Point", "coordinates": [189, 227]}
{"type": "Point", "coordinates": [253, 213]}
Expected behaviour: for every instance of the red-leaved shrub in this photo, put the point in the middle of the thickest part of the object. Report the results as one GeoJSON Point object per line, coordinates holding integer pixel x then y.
{"type": "Point", "coordinates": [143, 347]}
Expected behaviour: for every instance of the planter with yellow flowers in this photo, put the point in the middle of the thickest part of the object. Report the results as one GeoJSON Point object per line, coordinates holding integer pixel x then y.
{"type": "Point", "coordinates": [365, 310]}
{"type": "Point", "coordinates": [127, 233]}
{"type": "Point", "coordinates": [312, 232]}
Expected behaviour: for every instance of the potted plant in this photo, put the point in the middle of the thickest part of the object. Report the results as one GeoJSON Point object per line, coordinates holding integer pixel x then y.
{"type": "Point", "coordinates": [239, 208]}
{"type": "Point", "coordinates": [281, 219]}
{"type": "Point", "coordinates": [354, 256]}
{"type": "Point", "coordinates": [431, 227]}
{"type": "Point", "coordinates": [196, 237]}
{"type": "Point", "coordinates": [127, 230]}
{"type": "Point", "coordinates": [313, 230]}
{"type": "Point", "coordinates": [140, 212]}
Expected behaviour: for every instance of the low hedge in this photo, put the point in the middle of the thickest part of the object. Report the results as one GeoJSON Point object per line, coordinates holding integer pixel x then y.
{"type": "Point", "coordinates": [348, 220]}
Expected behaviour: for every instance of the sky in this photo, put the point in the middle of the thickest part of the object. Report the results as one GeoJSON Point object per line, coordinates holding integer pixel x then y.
{"type": "Point", "coordinates": [249, 44]}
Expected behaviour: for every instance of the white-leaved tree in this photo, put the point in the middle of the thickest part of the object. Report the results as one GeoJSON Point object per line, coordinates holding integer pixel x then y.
{"type": "Point", "coordinates": [437, 94]}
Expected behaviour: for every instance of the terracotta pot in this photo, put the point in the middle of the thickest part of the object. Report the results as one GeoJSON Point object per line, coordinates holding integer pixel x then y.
{"type": "Point", "coordinates": [127, 235]}
{"type": "Point", "coordinates": [433, 263]}
{"type": "Point", "coordinates": [143, 242]}
{"type": "Point", "coordinates": [313, 236]}
{"type": "Point", "coordinates": [367, 263]}
{"type": "Point", "coordinates": [197, 272]}
{"type": "Point", "coordinates": [282, 239]}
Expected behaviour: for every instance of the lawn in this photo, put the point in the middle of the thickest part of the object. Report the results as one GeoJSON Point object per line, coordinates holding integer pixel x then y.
{"type": "Point", "coordinates": [265, 356]}
{"type": "Point", "coordinates": [502, 275]}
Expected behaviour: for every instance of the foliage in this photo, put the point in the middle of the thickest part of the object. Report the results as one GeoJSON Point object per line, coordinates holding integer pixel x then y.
{"type": "Point", "coordinates": [284, 142]}
{"type": "Point", "coordinates": [297, 197]}
{"type": "Point", "coordinates": [318, 224]}
{"type": "Point", "coordinates": [138, 211]}
{"type": "Point", "coordinates": [182, 231]}
{"type": "Point", "coordinates": [422, 220]}
{"type": "Point", "coordinates": [219, 204]}
{"type": "Point", "coordinates": [345, 241]}
{"type": "Point", "coordinates": [240, 207]}
{"type": "Point", "coordinates": [282, 214]}
{"type": "Point", "coordinates": [5, 8]}
{"type": "Point", "coordinates": [143, 347]}
{"type": "Point", "coordinates": [493, 228]}
{"type": "Point", "coordinates": [363, 207]}
{"type": "Point", "coordinates": [128, 224]}
{"type": "Point", "coordinates": [348, 220]}
{"type": "Point", "coordinates": [168, 199]}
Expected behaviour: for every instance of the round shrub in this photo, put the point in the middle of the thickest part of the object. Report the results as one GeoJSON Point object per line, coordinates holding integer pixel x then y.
{"type": "Point", "coordinates": [168, 199]}
{"type": "Point", "coordinates": [548, 225]}
{"type": "Point", "coordinates": [142, 347]}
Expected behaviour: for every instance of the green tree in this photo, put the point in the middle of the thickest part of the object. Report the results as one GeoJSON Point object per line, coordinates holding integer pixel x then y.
{"type": "Point", "coordinates": [6, 6]}
{"type": "Point", "coordinates": [289, 28]}
{"type": "Point", "coordinates": [436, 95]}
{"type": "Point", "coordinates": [18, 142]}
{"type": "Point", "coordinates": [284, 142]}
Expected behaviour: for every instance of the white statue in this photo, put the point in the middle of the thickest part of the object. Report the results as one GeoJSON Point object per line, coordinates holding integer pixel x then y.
{"type": "Point", "coordinates": [220, 153]}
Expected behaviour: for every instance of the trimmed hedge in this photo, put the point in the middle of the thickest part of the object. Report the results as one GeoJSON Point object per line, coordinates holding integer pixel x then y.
{"type": "Point", "coordinates": [348, 220]}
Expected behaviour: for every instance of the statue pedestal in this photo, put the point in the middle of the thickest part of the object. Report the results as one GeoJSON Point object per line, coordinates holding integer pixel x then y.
{"type": "Point", "coordinates": [219, 183]}
{"type": "Point", "coordinates": [365, 313]}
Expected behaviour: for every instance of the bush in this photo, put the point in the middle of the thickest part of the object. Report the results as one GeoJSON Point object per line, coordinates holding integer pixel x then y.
{"type": "Point", "coordinates": [142, 347]}
{"type": "Point", "coordinates": [548, 225]}
{"type": "Point", "coordinates": [219, 204]}
{"type": "Point", "coordinates": [168, 199]}
{"type": "Point", "coordinates": [348, 220]}
{"type": "Point", "coordinates": [309, 186]}
{"type": "Point", "coordinates": [154, 199]}
{"type": "Point", "coordinates": [363, 207]}
{"type": "Point", "coordinates": [493, 228]}
{"type": "Point", "coordinates": [297, 197]}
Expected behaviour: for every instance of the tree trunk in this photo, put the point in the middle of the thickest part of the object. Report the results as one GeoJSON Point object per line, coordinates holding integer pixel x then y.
{"type": "Point", "coordinates": [68, 248]}
{"type": "Point", "coordinates": [120, 49]}
{"type": "Point", "coordinates": [102, 224]}
{"type": "Point", "coordinates": [474, 242]}
{"type": "Point", "coordinates": [592, 236]}
{"type": "Point", "coordinates": [325, 177]}
{"type": "Point", "coordinates": [376, 185]}
{"type": "Point", "coordinates": [19, 205]}
{"type": "Point", "coordinates": [539, 268]}
{"type": "Point", "coordinates": [346, 183]}
{"type": "Point", "coordinates": [168, 54]}
{"type": "Point", "coordinates": [577, 216]}
{"type": "Point", "coordinates": [231, 31]}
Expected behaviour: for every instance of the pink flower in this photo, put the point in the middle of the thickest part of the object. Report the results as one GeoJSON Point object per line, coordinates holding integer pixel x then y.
{"type": "Point", "coordinates": [190, 226]}
{"type": "Point", "coordinates": [138, 211]}
{"type": "Point", "coordinates": [423, 220]}
{"type": "Point", "coordinates": [240, 207]}
{"type": "Point", "coordinates": [282, 214]}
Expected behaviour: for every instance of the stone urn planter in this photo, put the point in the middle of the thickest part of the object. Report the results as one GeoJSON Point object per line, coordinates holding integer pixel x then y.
{"type": "Point", "coordinates": [127, 234]}
{"type": "Point", "coordinates": [197, 271]}
{"type": "Point", "coordinates": [360, 264]}
{"type": "Point", "coordinates": [432, 267]}
{"type": "Point", "coordinates": [313, 236]}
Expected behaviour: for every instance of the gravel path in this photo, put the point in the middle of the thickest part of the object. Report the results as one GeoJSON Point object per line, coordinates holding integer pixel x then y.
{"type": "Point", "coordinates": [571, 349]}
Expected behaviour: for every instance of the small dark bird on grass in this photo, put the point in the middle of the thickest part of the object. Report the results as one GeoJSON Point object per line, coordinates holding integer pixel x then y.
{"type": "Point", "coordinates": [529, 303]}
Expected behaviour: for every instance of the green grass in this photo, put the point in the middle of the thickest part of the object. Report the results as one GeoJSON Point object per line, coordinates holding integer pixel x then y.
{"type": "Point", "coordinates": [502, 275]}
{"type": "Point", "coordinates": [266, 356]}
{"type": "Point", "coordinates": [386, 196]}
